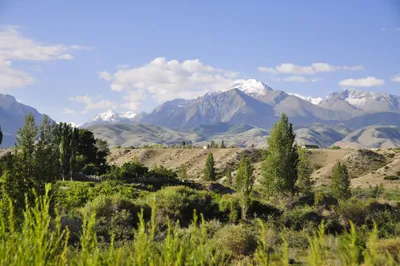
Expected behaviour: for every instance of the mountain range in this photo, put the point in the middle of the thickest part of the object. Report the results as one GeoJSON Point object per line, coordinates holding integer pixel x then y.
{"type": "Point", "coordinates": [253, 104]}
{"type": "Point", "coordinates": [248, 105]}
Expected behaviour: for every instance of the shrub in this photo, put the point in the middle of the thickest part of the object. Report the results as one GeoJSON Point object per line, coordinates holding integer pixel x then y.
{"type": "Point", "coordinates": [235, 240]}
{"type": "Point", "coordinates": [133, 170]}
{"type": "Point", "coordinates": [178, 203]}
{"type": "Point", "coordinates": [162, 173]}
{"type": "Point", "coordinates": [230, 208]}
{"type": "Point", "coordinates": [115, 215]}
{"type": "Point", "coordinates": [71, 194]}
{"type": "Point", "coordinates": [324, 200]}
{"type": "Point", "coordinates": [354, 210]}
{"type": "Point", "coordinates": [112, 187]}
{"type": "Point", "coordinates": [90, 169]}
{"type": "Point", "coordinates": [300, 218]}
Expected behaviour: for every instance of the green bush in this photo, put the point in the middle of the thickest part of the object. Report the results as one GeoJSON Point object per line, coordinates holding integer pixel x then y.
{"type": "Point", "coordinates": [300, 218]}
{"type": "Point", "coordinates": [178, 203]}
{"type": "Point", "coordinates": [112, 187]}
{"type": "Point", "coordinates": [160, 172]}
{"type": "Point", "coordinates": [324, 200]}
{"type": "Point", "coordinates": [235, 240]}
{"type": "Point", "coordinates": [354, 210]}
{"type": "Point", "coordinates": [115, 215]}
{"type": "Point", "coordinates": [90, 169]}
{"type": "Point", "coordinates": [71, 194]}
{"type": "Point", "coordinates": [230, 208]}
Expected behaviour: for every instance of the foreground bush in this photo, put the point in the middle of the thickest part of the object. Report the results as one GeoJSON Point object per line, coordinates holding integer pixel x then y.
{"type": "Point", "coordinates": [178, 203]}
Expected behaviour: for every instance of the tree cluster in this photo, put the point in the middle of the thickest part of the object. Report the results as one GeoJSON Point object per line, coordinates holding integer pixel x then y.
{"type": "Point", "coordinates": [48, 153]}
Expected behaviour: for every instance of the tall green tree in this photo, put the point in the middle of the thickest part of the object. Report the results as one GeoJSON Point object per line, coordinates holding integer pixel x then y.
{"type": "Point", "coordinates": [67, 138]}
{"type": "Point", "coordinates": [340, 186]}
{"type": "Point", "coordinates": [46, 153]}
{"type": "Point", "coordinates": [244, 183]}
{"type": "Point", "coordinates": [304, 169]}
{"type": "Point", "coordinates": [26, 138]}
{"type": "Point", "coordinates": [20, 178]}
{"type": "Point", "coordinates": [279, 170]}
{"type": "Point", "coordinates": [209, 168]}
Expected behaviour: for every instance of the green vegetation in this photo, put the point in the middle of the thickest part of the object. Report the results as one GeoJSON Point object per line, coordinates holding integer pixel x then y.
{"type": "Point", "coordinates": [135, 215]}
{"type": "Point", "coordinates": [340, 181]}
{"type": "Point", "coordinates": [244, 184]}
{"type": "Point", "coordinates": [279, 170]}
{"type": "Point", "coordinates": [209, 168]}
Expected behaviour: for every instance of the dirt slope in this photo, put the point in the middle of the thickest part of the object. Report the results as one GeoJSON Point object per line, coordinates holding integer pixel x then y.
{"type": "Point", "coordinates": [366, 167]}
{"type": "Point", "coordinates": [194, 159]}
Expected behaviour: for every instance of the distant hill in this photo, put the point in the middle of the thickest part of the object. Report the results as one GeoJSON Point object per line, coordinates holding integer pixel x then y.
{"type": "Point", "coordinates": [141, 134]}
{"type": "Point", "coordinates": [321, 135]}
{"type": "Point", "coordinates": [12, 118]}
{"type": "Point", "coordinates": [126, 135]}
{"type": "Point", "coordinates": [372, 137]}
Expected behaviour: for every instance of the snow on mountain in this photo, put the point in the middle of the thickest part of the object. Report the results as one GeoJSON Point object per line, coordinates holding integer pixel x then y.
{"type": "Point", "coordinates": [110, 117]}
{"type": "Point", "coordinates": [127, 115]}
{"type": "Point", "coordinates": [308, 99]}
{"type": "Point", "coordinates": [251, 87]}
{"type": "Point", "coordinates": [367, 100]}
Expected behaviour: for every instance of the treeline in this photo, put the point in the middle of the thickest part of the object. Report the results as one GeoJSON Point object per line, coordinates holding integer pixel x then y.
{"type": "Point", "coordinates": [47, 153]}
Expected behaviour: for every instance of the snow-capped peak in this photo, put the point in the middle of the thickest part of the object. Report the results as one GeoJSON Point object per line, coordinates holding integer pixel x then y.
{"type": "Point", "coordinates": [127, 115]}
{"type": "Point", "coordinates": [110, 117]}
{"type": "Point", "coordinates": [367, 100]}
{"type": "Point", "coordinates": [308, 99]}
{"type": "Point", "coordinates": [250, 86]}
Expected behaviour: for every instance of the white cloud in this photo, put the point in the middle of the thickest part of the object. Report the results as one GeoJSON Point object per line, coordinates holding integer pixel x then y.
{"type": "Point", "coordinates": [93, 103]}
{"type": "Point", "coordinates": [314, 68]}
{"type": "Point", "coordinates": [105, 75]}
{"type": "Point", "coordinates": [165, 80]}
{"type": "Point", "coordinates": [358, 67]}
{"type": "Point", "coordinates": [68, 111]}
{"type": "Point", "coordinates": [362, 82]}
{"type": "Point", "coordinates": [11, 78]}
{"type": "Point", "coordinates": [300, 79]}
{"type": "Point", "coordinates": [396, 78]}
{"type": "Point", "coordinates": [66, 57]}
{"type": "Point", "coordinates": [14, 46]}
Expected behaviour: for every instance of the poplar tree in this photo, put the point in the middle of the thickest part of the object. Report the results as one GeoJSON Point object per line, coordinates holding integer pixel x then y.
{"type": "Point", "coordinates": [279, 170]}
{"type": "Point", "coordinates": [304, 169]}
{"type": "Point", "coordinates": [244, 184]}
{"type": "Point", "coordinates": [209, 169]}
{"type": "Point", "coordinates": [340, 186]}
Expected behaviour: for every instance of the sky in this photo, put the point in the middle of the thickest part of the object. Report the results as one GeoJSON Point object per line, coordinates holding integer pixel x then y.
{"type": "Point", "coordinates": [74, 59]}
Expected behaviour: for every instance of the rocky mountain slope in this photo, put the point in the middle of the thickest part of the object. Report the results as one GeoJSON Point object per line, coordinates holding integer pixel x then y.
{"type": "Point", "coordinates": [372, 137]}
{"type": "Point", "coordinates": [12, 117]}
{"type": "Point", "coordinates": [255, 103]}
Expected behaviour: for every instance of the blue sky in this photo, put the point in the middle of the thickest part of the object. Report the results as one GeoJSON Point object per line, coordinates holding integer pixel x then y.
{"type": "Point", "coordinates": [74, 59]}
